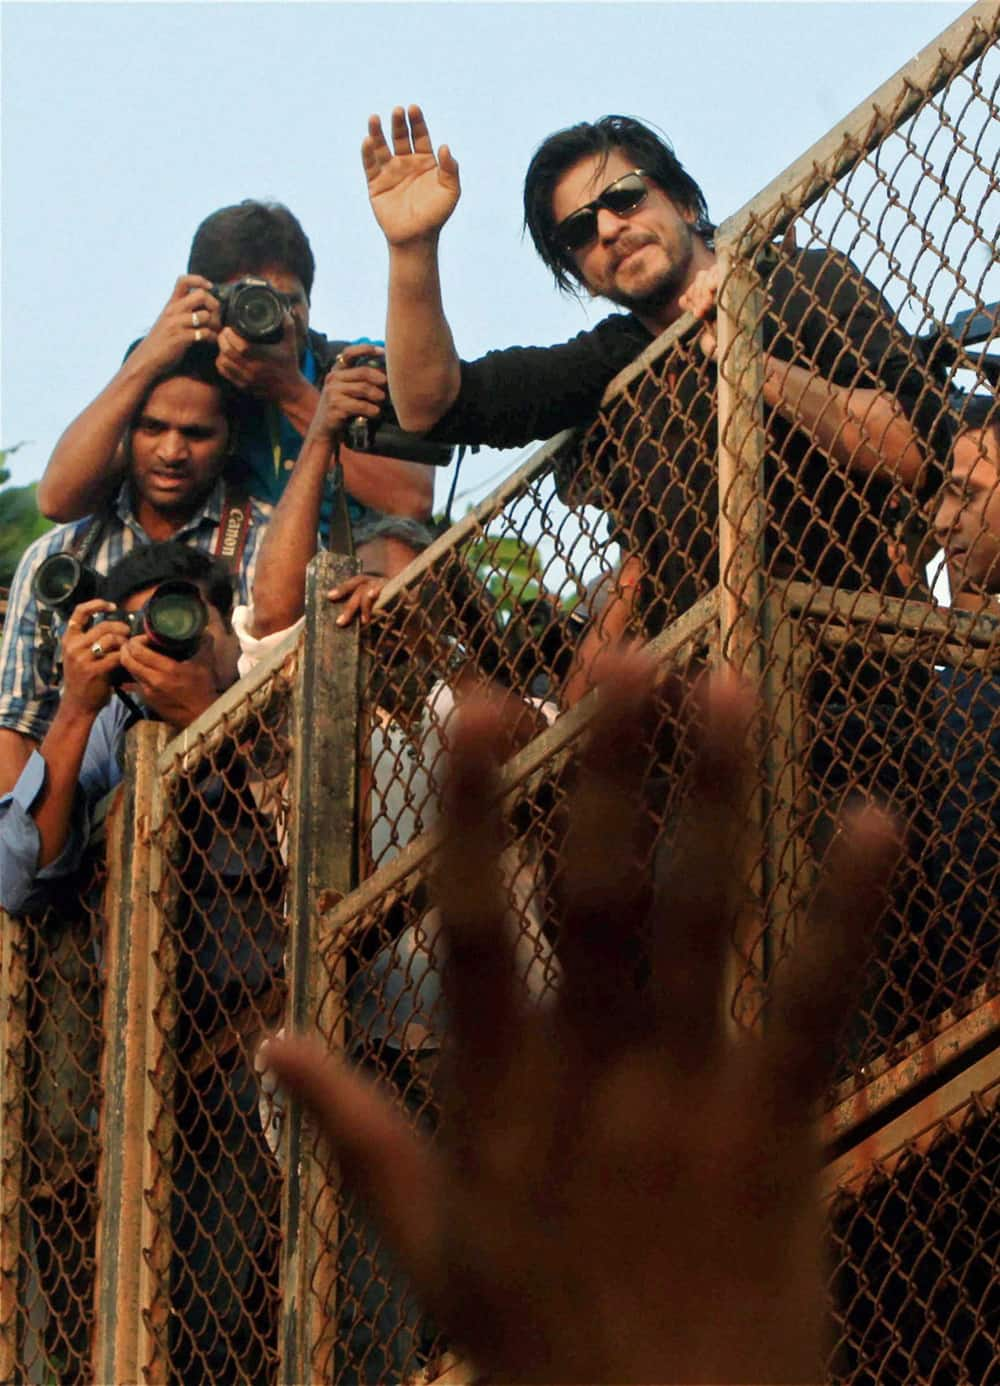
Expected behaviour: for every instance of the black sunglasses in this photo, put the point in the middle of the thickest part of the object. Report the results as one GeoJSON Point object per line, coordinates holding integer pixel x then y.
{"type": "Point", "coordinates": [580, 227]}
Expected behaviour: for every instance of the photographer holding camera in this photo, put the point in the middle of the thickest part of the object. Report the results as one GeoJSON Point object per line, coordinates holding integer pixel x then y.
{"type": "Point", "coordinates": [43, 821]}
{"type": "Point", "coordinates": [176, 442]}
{"type": "Point", "coordinates": [247, 290]}
{"type": "Point", "coordinates": [160, 633]}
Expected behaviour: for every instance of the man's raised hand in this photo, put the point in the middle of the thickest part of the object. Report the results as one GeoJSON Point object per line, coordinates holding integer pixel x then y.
{"type": "Point", "coordinates": [412, 191]}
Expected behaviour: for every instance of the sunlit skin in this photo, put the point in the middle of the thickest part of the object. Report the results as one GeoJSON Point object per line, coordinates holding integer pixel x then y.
{"type": "Point", "coordinates": [178, 445]}
{"type": "Point", "coordinates": [967, 521]}
{"type": "Point", "coordinates": [643, 259]}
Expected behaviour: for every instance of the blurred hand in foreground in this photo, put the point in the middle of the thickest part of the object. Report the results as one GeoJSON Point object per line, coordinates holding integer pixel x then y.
{"type": "Point", "coordinates": [622, 1189]}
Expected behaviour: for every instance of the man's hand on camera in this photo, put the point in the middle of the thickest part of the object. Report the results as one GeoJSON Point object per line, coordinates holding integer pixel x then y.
{"type": "Point", "coordinates": [268, 371]}
{"type": "Point", "coordinates": [412, 192]}
{"type": "Point", "coordinates": [178, 691]}
{"type": "Point", "coordinates": [350, 391]}
{"type": "Point", "coordinates": [90, 656]}
{"type": "Point", "coordinates": [191, 315]}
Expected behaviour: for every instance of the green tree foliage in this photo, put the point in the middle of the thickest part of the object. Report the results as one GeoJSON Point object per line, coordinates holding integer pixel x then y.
{"type": "Point", "coordinates": [509, 568]}
{"type": "Point", "coordinates": [20, 519]}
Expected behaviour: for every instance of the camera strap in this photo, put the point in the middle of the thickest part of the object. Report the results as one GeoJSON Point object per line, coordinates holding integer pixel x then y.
{"type": "Point", "coordinates": [234, 526]}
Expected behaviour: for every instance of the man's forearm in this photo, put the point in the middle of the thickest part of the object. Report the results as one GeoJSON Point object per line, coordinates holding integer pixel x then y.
{"type": "Point", "coordinates": [62, 750]}
{"type": "Point", "coordinates": [87, 461]}
{"type": "Point", "coordinates": [289, 541]}
{"type": "Point", "coordinates": [422, 363]}
{"type": "Point", "coordinates": [299, 405]}
{"type": "Point", "coordinates": [389, 483]}
{"type": "Point", "coordinates": [863, 429]}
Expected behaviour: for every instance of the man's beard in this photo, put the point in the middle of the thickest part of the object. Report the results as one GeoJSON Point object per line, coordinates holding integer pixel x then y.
{"type": "Point", "coordinates": [671, 282]}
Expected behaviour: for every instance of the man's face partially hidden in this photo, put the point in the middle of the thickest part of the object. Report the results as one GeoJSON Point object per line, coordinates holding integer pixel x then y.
{"type": "Point", "coordinates": [641, 259]}
{"type": "Point", "coordinates": [291, 285]}
{"type": "Point", "coordinates": [967, 522]}
{"type": "Point", "coordinates": [178, 445]}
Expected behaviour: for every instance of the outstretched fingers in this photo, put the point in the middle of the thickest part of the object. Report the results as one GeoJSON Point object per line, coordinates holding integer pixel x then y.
{"type": "Point", "coordinates": [814, 993]}
{"type": "Point", "coordinates": [604, 884]}
{"type": "Point", "coordinates": [379, 1154]}
{"type": "Point", "coordinates": [479, 946]}
{"type": "Point", "coordinates": [701, 887]}
{"type": "Point", "coordinates": [375, 151]}
{"type": "Point", "coordinates": [419, 134]}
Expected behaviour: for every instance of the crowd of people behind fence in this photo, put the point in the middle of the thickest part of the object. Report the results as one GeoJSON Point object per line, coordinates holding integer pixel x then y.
{"type": "Point", "coordinates": [235, 441]}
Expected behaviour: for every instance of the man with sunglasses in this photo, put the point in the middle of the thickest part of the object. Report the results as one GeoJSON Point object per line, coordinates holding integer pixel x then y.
{"type": "Point", "coordinates": [611, 209]}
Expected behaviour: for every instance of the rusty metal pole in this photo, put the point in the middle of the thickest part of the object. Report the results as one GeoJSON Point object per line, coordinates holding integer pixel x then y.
{"type": "Point", "coordinates": [125, 1230]}
{"type": "Point", "coordinates": [742, 448]}
{"type": "Point", "coordinates": [323, 858]}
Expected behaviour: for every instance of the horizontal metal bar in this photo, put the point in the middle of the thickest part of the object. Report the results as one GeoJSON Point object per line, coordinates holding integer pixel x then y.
{"type": "Point", "coordinates": [924, 1060]}
{"type": "Point", "coordinates": [894, 613]}
{"type": "Point", "coordinates": [917, 1128]}
{"type": "Point", "coordinates": [773, 209]}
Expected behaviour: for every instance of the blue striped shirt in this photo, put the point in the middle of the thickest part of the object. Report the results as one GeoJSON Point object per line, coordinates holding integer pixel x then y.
{"type": "Point", "coordinates": [29, 690]}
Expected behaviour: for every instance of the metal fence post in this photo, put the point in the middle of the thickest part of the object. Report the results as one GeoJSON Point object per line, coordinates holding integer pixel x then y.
{"type": "Point", "coordinates": [742, 448]}
{"type": "Point", "coordinates": [125, 1231]}
{"type": "Point", "coordinates": [323, 854]}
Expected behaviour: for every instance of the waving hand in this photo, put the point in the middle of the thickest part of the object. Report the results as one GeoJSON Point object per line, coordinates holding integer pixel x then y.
{"type": "Point", "coordinates": [412, 191]}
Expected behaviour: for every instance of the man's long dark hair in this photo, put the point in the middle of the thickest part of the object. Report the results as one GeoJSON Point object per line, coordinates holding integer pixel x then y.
{"type": "Point", "coordinates": [644, 148]}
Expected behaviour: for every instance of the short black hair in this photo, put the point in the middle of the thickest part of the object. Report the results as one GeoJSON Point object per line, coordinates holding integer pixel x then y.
{"type": "Point", "coordinates": [150, 564]}
{"type": "Point", "coordinates": [199, 362]}
{"type": "Point", "coordinates": [401, 527]}
{"type": "Point", "coordinates": [250, 236]}
{"type": "Point", "coordinates": [647, 150]}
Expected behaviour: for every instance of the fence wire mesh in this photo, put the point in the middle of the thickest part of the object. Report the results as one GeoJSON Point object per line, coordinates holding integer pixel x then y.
{"type": "Point", "coordinates": [914, 1254]}
{"type": "Point", "coordinates": [221, 989]}
{"type": "Point", "coordinates": [51, 1100]}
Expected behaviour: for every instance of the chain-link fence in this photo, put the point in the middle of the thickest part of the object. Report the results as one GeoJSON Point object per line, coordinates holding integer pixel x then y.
{"type": "Point", "coordinates": [51, 1099]}
{"type": "Point", "coordinates": [775, 503]}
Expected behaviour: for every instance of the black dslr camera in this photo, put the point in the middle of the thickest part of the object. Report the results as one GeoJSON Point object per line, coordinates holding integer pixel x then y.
{"type": "Point", "coordinates": [174, 617]}
{"type": "Point", "coordinates": [384, 435]}
{"type": "Point", "coordinates": [253, 308]}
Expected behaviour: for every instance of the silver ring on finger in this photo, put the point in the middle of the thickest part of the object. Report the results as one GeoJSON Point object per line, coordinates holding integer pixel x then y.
{"type": "Point", "coordinates": [197, 334]}
{"type": "Point", "coordinates": [97, 650]}
{"type": "Point", "coordinates": [195, 320]}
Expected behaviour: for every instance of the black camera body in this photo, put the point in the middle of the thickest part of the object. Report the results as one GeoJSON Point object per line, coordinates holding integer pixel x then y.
{"type": "Point", "coordinates": [174, 617]}
{"type": "Point", "coordinates": [253, 308]}
{"type": "Point", "coordinates": [384, 435]}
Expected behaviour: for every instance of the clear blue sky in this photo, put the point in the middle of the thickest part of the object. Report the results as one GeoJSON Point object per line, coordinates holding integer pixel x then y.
{"type": "Point", "coordinates": [124, 124]}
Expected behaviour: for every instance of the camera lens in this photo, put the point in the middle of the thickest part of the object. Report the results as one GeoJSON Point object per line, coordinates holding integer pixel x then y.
{"type": "Point", "coordinates": [256, 312]}
{"type": "Point", "coordinates": [62, 582]}
{"type": "Point", "coordinates": [175, 618]}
